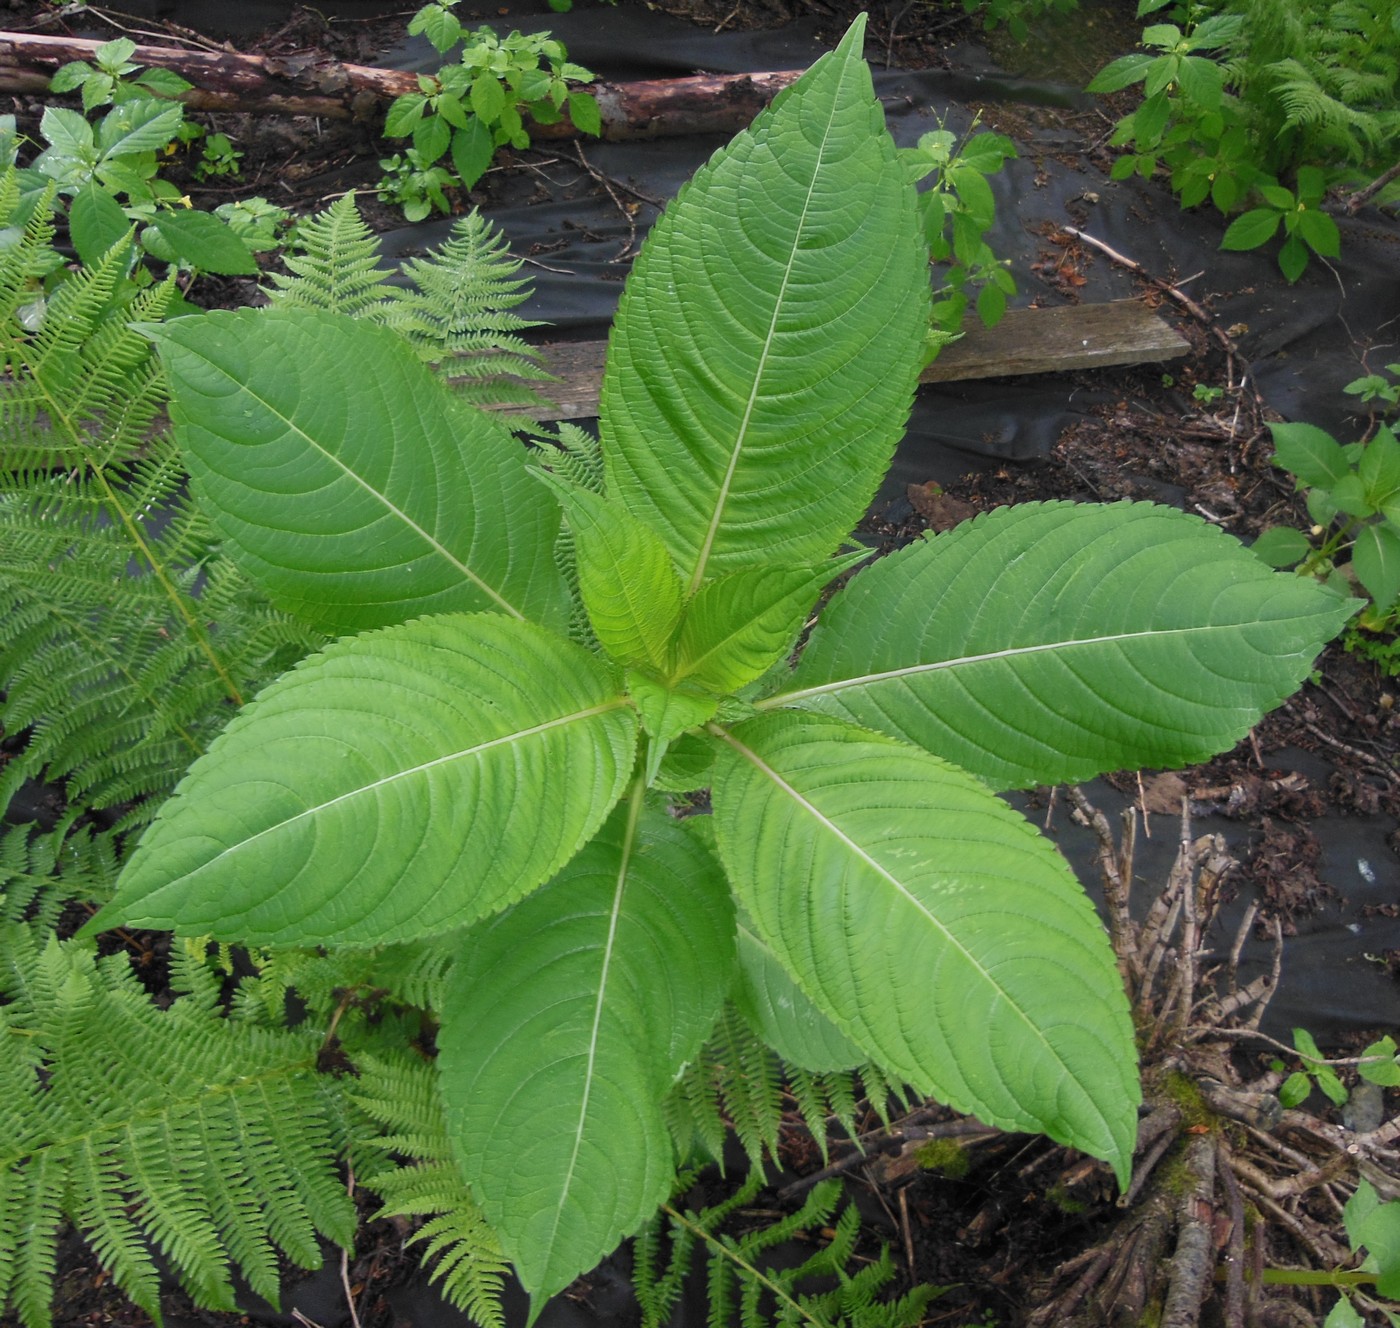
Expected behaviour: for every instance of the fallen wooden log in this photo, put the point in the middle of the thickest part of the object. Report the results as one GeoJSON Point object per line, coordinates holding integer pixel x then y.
{"type": "Point", "coordinates": [1026, 341]}
{"type": "Point", "coordinates": [312, 85]}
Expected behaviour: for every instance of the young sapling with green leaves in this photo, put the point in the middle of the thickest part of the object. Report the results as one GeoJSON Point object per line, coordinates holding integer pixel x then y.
{"type": "Point", "coordinates": [457, 774]}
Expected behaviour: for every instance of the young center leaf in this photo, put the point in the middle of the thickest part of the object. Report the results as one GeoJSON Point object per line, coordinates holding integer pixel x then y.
{"type": "Point", "coordinates": [738, 626]}
{"type": "Point", "coordinates": [346, 479]}
{"type": "Point", "coordinates": [565, 1021]}
{"type": "Point", "coordinates": [375, 793]}
{"type": "Point", "coordinates": [932, 925]}
{"type": "Point", "coordinates": [1049, 642]}
{"type": "Point", "coordinates": [625, 578]}
{"type": "Point", "coordinates": [766, 347]}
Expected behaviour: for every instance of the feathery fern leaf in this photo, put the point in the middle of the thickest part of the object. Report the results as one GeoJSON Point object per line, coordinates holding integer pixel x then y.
{"type": "Point", "coordinates": [738, 1083]}
{"type": "Point", "coordinates": [334, 263]}
{"type": "Point", "coordinates": [743, 1284]}
{"type": "Point", "coordinates": [109, 579]}
{"type": "Point", "coordinates": [42, 868]}
{"type": "Point", "coordinates": [456, 315]}
{"type": "Point", "coordinates": [459, 319]}
{"type": "Point", "coordinates": [400, 1093]}
{"type": "Point", "coordinates": [209, 1139]}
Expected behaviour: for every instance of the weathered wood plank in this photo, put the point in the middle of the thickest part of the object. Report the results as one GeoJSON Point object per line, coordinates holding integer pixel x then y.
{"type": "Point", "coordinates": [1026, 341]}
{"type": "Point", "coordinates": [1071, 336]}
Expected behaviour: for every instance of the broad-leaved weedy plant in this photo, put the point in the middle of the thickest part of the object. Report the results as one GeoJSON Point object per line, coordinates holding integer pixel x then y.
{"type": "Point", "coordinates": [456, 772]}
{"type": "Point", "coordinates": [1353, 498]}
{"type": "Point", "coordinates": [956, 210]}
{"type": "Point", "coordinates": [108, 169]}
{"type": "Point", "coordinates": [469, 108]}
{"type": "Point", "coordinates": [1265, 105]}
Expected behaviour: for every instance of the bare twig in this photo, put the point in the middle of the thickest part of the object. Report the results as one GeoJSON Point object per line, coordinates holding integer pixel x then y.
{"type": "Point", "coordinates": [1276, 927]}
{"type": "Point", "coordinates": [1360, 197]}
{"type": "Point", "coordinates": [1337, 745]}
{"type": "Point", "coordinates": [1194, 1260]}
{"type": "Point", "coordinates": [345, 1261]}
{"type": "Point", "coordinates": [1234, 1251]}
{"type": "Point", "coordinates": [1116, 869]}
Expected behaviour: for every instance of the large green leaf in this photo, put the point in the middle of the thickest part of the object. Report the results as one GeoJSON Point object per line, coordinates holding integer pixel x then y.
{"type": "Point", "coordinates": [1049, 642]}
{"type": "Point", "coordinates": [779, 1011]}
{"type": "Point", "coordinates": [765, 351]}
{"type": "Point", "coordinates": [395, 785]}
{"type": "Point", "coordinates": [738, 626]}
{"type": "Point", "coordinates": [347, 480]}
{"type": "Point", "coordinates": [932, 925]}
{"type": "Point", "coordinates": [564, 1023]}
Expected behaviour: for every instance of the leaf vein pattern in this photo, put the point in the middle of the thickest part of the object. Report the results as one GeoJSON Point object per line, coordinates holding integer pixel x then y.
{"type": "Point", "coordinates": [619, 890]}
{"type": "Point", "coordinates": [436, 545]}
{"type": "Point", "coordinates": [736, 452]}
{"type": "Point", "coordinates": [934, 666]}
{"type": "Point", "coordinates": [509, 740]}
{"type": "Point", "coordinates": [830, 827]}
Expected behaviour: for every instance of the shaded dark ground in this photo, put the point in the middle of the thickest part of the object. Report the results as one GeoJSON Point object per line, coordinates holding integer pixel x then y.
{"type": "Point", "coordinates": [1309, 806]}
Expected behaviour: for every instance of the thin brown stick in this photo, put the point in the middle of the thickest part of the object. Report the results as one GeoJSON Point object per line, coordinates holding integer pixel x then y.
{"type": "Point", "coordinates": [1234, 1250]}
{"type": "Point", "coordinates": [1183, 878]}
{"type": "Point", "coordinates": [1360, 197]}
{"type": "Point", "coordinates": [1113, 858]}
{"type": "Point", "coordinates": [345, 1263]}
{"type": "Point", "coordinates": [1241, 936]}
{"type": "Point", "coordinates": [1356, 754]}
{"type": "Point", "coordinates": [1254, 1020]}
{"type": "Point", "coordinates": [1193, 1262]}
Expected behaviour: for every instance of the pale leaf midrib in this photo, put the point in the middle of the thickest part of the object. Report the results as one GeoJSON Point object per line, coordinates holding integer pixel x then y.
{"type": "Point", "coordinates": [433, 543]}
{"type": "Point", "coordinates": [736, 453]}
{"type": "Point", "coordinates": [935, 666]}
{"type": "Point", "coordinates": [826, 824]}
{"type": "Point", "coordinates": [600, 1000]}
{"type": "Point", "coordinates": [422, 767]}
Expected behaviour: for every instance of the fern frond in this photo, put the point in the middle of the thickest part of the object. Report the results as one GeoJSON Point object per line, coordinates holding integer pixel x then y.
{"type": "Point", "coordinates": [458, 318]}
{"type": "Point", "coordinates": [400, 1093]}
{"type": "Point", "coordinates": [41, 868]}
{"type": "Point", "coordinates": [1307, 105]}
{"type": "Point", "coordinates": [455, 311]}
{"type": "Point", "coordinates": [743, 1283]}
{"type": "Point", "coordinates": [97, 661]}
{"type": "Point", "coordinates": [334, 263]}
{"type": "Point", "coordinates": [124, 636]}
{"type": "Point", "coordinates": [24, 260]}
{"type": "Point", "coordinates": [211, 1140]}
{"type": "Point", "coordinates": [738, 1077]}
{"type": "Point", "coordinates": [576, 457]}
{"type": "Point", "coordinates": [573, 454]}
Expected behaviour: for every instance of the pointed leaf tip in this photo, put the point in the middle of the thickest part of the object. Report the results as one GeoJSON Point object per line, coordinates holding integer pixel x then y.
{"type": "Point", "coordinates": [765, 352]}
{"type": "Point", "coordinates": [932, 925]}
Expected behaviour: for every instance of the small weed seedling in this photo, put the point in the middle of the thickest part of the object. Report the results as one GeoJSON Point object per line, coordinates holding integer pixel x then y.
{"type": "Point", "coordinates": [956, 211]}
{"type": "Point", "coordinates": [1377, 1065]}
{"type": "Point", "coordinates": [480, 776]}
{"type": "Point", "coordinates": [1382, 387]}
{"type": "Point", "coordinates": [1373, 1231]}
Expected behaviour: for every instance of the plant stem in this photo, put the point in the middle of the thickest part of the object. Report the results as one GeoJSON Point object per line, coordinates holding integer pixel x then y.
{"type": "Point", "coordinates": [734, 1256]}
